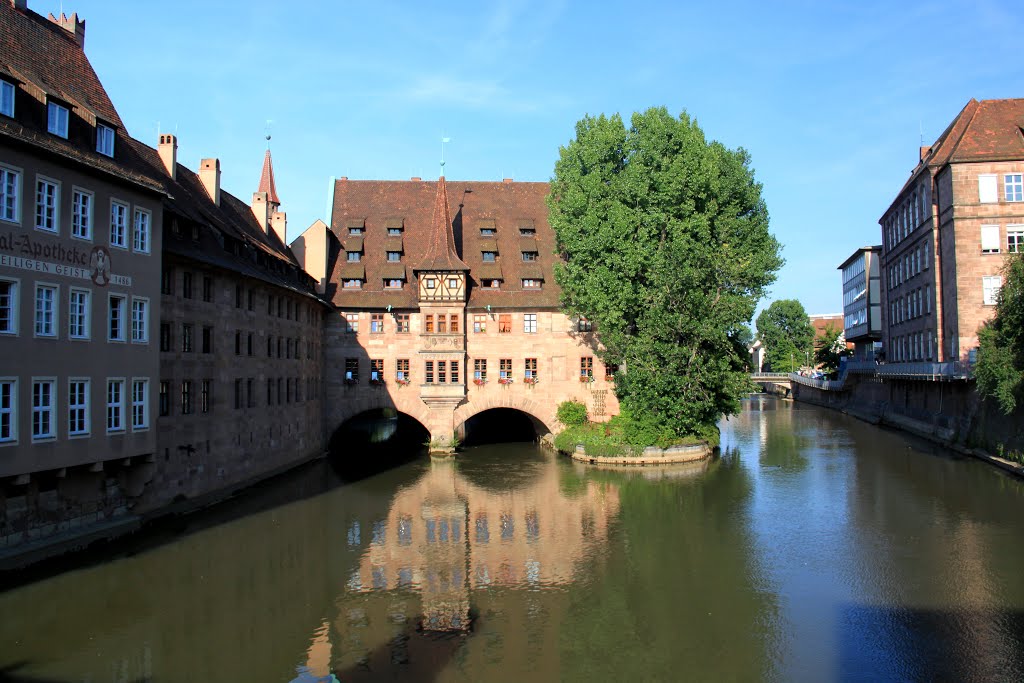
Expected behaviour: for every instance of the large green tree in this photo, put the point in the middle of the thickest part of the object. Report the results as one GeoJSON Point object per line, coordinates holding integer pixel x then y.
{"type": "Point", "coordinates": [666, 248]}
{"type": "Point", "coordinates": [787, 334]}
{"type": "Point", "coordinates": [829, 348]}
{"type": "Point", "coordinates": [1000, 367]}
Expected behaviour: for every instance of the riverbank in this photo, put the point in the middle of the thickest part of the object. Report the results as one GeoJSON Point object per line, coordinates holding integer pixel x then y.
{"type": "Point", "coordinates": [649, 456]}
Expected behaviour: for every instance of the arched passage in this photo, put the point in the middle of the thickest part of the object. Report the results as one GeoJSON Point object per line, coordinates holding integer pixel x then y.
{"type": "Point", "coordinates": [503, 419]}
{"type": "Point", "coordinates": [375, 440]}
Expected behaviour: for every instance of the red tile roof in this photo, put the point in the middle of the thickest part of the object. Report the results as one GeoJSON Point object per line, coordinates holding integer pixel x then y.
{"type": "Point", "coordinates": [267, 180]}
{"type": "Point", "coordinates": [375, 205]}
{"type": "Point", "coordinates": [441, 254]}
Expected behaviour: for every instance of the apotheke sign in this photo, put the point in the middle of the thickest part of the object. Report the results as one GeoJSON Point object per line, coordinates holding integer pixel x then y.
{"type": "Point", "coordinates": [92, 265]}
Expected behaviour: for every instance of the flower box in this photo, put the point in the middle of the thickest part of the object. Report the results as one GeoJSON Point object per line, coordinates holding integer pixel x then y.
{"type": "Point", "coordinates": [505, 381]}
{"type": "Point", "coordinates": [586, 379]}
{"type": "Point", "coordinates": [479, 381]}
{"type": "Point", "coordinates": [530, 380]}
{"type": "Point", "coordinates": [402, 382]}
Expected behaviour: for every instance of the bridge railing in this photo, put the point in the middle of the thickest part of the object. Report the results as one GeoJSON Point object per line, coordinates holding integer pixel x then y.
{"type": "Point", "coordinates": [949, 371]}
{"type": "Point", "coordinates": [826, 384]}
{"type": "Point", "coordinates": [769, 376]}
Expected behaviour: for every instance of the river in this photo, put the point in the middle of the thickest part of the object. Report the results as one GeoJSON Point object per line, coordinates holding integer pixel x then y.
{"type": "Point", "coordinates": [814, 548]}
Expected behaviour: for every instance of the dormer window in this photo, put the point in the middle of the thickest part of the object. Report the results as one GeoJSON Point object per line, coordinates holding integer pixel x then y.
{"type": "Point", "coordinates": [104, 140]}
{"type": "Point", "coordinates": [527, 232]}
{"type": "Point", "coordinates": [353, 256]}
{"type": "Point", "coordinates": [352, 284]}
{"type": "Point", "coordinates": [355, 230]}
{"type": "Point", "coordinates": [394, 232]}
{"type": "Point", "coordinates": [6, 98]}
{"type": "Point", "coordinates": [529, 256]}
{"type": "Point", "coordinates": [489, 256]}
{"type": "Point", "coordinates": [393, 283]}
{"type": "Point", "coordinates": [430, 283]}
{"type": "Point", "coordinates": [394, 256]}
{"type": "Point", "coordinates": [531, 283]}
{"type": "Point", "coordinates": [487, 232]}
{"type": "Point", "coordinates": [57, 119]}
{"type": "Point", "coordinates": [492, 284]}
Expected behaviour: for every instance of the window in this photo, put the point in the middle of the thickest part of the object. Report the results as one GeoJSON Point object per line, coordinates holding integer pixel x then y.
{"type": "Point", "coordinates": [504, 323]}
{"type": "Point", "coordinates": [376, 369]}
{"type": "Point", "coordinates": [9, 190]}
{"type": "Point", "coordinates": [442, 371]}
{"type": "Point", "coordinates": [7, 98]}
{"type": "Point", "coordinates": [402, 322]}
{"type": "Point", "coordinates": [376, 323]}
{"type": "Point", "coordinates": [453, 283]}
{"type": "Point", "coordinates": [479, 370]}
{"type": "Point", "coordinates": [78, 407]}
{"type": "Point", "coordinates": [352, 284]}
{"type": "Point", "coordinates": [987, 188]}
{"type": "Point", "coordinates": [238, 342]}
{"type": "Point", "coordinates": [207, 339]}
{"type": "Point", "coordinates": [455, 372]}
{"type": "Point", "coordinates": [492, 284]}
{"type": "Point", "coordinates": [140, 404]}
{"type": "Point", "coordinates": [47, 198]}
{"type": "Point", "coordinates": [428, 323]}
{"type": "Point", "coordinates": [207, 288]}
{"type": "Point", "coordinates": [186, 285]}
{"type": "Point", "coordinates": [505, 368]}
{"type": "Point", "coordinates": [1015, 239]}
{"type": "Point", "coordinates": [394, 283]}
{"type": "Point", "coordinates": [78, 313]}
{"type": "Point", "coordinates": [990, 239]}
{"type": "Point", "coordinates": [42, 410]}
{"type": "Point", "coordinates": [394, 256]}
{"type": "Point", "coordinates": [81, 214]}
{"type": "Point", "coordinates": [115, 405]}
{"type": "Point", "coordinates": [140, 231]}
{"type": "Point", "coordinates": [430, 283]}
{"type": "Point", "coordinates": [248, 344]}
{"type": "Point", "coordinates": [453, 323]}
{"type": "Point", "coordinates": [205, 395]}
{"type": "Point", "coordinates": [479, 323]}
{"type": "Point", "coordinates": [489, 256]}
{"type": "Point", "coordinates": [165, 337]}
{"type": "Point", "coordinates": [394, 232]}
{"type": "Point", "coordinates": [115, 318]}
{"type": "Point", "coordinates": [587, 367]}
{"type": "Point", "coordinates": [609, 371]}
{"type": "Point", "coordinates": [8, 307]}
{"type": "Point", "coordinates": [352, 370]}
{"type": "Point", "coordinates": [351, 323]}
{"type": "Point", "coordinates": [140, 320]}
{"type": "Point", "coordinates": [529, 255]}
{"type": "Point", "coordinates": [402, 369]}
{"type": "Point", "coordinates": [46, 311]}
{"type": "Point", "coordinates": [529, 322]}
{"type": "Point", "coordinates": [487, 232]}
{"type": "Point", "coordinates": [355, 230]}
{"type": "Point", "coordinates": [990, 289]}
{"type": "Point", "coordinates": [530, 369]}
{"type": "Point", "coordinates": [8, 410]}
{"type": "Point", "coordinates": [165, 398]}
{"type": "Point", "coordinates": [584, 325]}
{"type": "Point", "coordinates": [352, 256]}
{"type": "Point", "coordinates": [442, 323]}
{"type": "Point", "coordinates": [238, 394]}
{"type": "Point", "coordinates": [529, 283]}
{"type": "Point", "coordinates": [187, 342]}
{"type": "Point", "coordinates": [1013, 187]}
{"type": "Point", "coordinates": [428, 372]}
{"type": "Point", "coordinates": [104, 140]}
{"type": "Point", "coordinates": [118, 224]}
{"type": "Point", "coordinates": [56, 119]}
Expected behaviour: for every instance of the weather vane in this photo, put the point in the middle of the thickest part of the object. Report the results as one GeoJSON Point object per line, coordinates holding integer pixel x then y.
{"type": "Point", "coordinates": [266, 130]}
{"type": "Point", "coordinates": [443, 141]}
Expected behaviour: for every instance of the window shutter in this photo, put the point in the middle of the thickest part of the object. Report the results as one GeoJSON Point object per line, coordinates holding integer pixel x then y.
{"type": "Point", "coordinates": [990, 239]}
{"type": "Point", "coordinates": [987, 193]}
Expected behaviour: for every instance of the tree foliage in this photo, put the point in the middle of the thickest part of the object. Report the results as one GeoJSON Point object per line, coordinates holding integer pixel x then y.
{"type": "Point", "coordinates": [666, 247]}
{"type": "Point", "coordinates": [1000, 367]}
{"type": "Point", "coordinates": [829, 347]}
{"type": "Point", "coordinates": [572, 413]}
{"type": "Point", "coordinates": [787, 334]}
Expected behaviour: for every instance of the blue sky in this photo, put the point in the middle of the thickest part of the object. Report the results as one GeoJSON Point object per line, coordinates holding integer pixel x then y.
{"type": "Point", "coordinates": [830, 98]}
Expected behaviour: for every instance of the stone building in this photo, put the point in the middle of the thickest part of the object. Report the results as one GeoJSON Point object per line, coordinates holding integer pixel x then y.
{"type": "Point", "coordinates": [946, 234]}
{"type": "Point", "coordinates": [239, 337]}
{"type": "Point", "coordinates": [80, 242]}
{"type": "Point", "coordinates": [446, 306]}
{"type": "Point", "coordinates": [862, 302]}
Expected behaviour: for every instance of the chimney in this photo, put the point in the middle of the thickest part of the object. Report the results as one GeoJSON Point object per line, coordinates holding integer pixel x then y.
{"type": "Point", "coordinates": [279, 221]}
{"type": "Point", "coordinates": [70, 24]}
{"type": "Point", "coordinates": [924, 152]}
{"type": "Point", "coordinates": [261, 209]}
{"type": "Point", "coordinates": [168, 149]}
{"type": "Point", "coordinates": [209, 173]}
{"type": "Point", "coordinates": [20, 5]}
{"type": "Point", "coordinates": [416, 179]}
{"type": "Point", "coordinates": [507, 181]}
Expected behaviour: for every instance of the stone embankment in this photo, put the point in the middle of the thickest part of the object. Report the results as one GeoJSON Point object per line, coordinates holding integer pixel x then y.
{"type": "Point", "coordinates": [649, 456]}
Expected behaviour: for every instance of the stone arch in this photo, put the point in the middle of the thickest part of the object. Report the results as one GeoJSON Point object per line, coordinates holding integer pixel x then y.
{"type": "Point", "coordinates": [544, 415]}
{"type": "Point", "coordinates": [379, 400]}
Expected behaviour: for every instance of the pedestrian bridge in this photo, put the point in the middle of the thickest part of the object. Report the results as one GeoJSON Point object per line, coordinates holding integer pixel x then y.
{"type": "Point", "coordinates": [777, 383]}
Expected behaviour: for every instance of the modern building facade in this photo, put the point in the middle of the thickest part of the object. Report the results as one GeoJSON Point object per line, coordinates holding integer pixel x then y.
{"type": "Point", "coordinates": [80, 243]}
{"type": "Point", "coordinates": [946, 234]}
{"type": "Point", "coordinates": [862, 302]}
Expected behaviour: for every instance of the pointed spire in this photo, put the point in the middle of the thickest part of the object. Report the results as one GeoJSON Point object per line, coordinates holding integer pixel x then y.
{"type": "Point", "coordinates": [267, 179]}
{"type": "Point", "coordinates": [441, 253]}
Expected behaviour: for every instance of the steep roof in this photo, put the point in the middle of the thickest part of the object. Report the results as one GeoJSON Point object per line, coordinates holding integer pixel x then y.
{"type": "Point", "coordinates": [267, 180]}
{"type": "Point", "coordinates": [501, 207]}
{"type": "Point", "coordinates": [441, 253]}
{"type": "Point", "coordinates": [46, 62]}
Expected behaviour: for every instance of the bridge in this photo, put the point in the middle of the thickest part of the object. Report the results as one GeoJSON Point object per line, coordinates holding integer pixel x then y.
{"type": "Point", "coordinates": [777, 383]}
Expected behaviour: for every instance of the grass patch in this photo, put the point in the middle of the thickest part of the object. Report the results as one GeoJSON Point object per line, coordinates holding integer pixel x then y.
{"type": "Point", "coordinates": [609, 439]}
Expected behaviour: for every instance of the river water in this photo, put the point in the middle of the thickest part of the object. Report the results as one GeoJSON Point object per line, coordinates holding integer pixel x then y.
{"type": "Point", "coordinates": [815, 548]}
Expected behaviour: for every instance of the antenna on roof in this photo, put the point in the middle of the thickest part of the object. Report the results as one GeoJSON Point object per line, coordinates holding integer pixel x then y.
{"type": "Point", "coordinates": [443, 141]}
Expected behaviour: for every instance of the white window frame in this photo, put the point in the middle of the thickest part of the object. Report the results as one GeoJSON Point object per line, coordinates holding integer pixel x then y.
{"type": "Point", "coordinates": [79, 322]}
{"type": "Point", "coordinates": [990, 286]}
{"type": "Point", "coordinates": [121, 330]}
{"type": "Point", "coordinates": [10, 194]}
{"type": "Point", "coordinates": [1013, 187]}
{"type": "Point", "coordinates": [140, 323]}
{"type": "Point", "coordinates": [81, 408]}
{"type": "Point", "coordinates": [988, 188]}
{"type": "Point", "coordinates": [47, 326]}
{"type": "Point", "coordinates": [140, 404]}
{"type": "Point", "coordinates": [119, 223]}
{"type": "Point", "coordinates": [990, 239]}
{"type": "Point", "coordinates": [49, 408]}
{"type": "Point", "coordinates": [530, 323]}
{"type": "Point", "coordinates": [7, 91]}
{"type": "Point", "coordinates": [105, 137]}
{"type": "Point", "coordinates": [82, 202]}
{"type": "Point", "coordinates": [57, 116]}
{"type": "Point", "coordinates": [115, 402]}
{"type": "Point", "coordinates": [47, 215]}
{"type": "Point", "coordinates": [12, 306]}
{"type": "Point", "coordinates": [1015, 238]}
{"type": "Point", "coordinates": [9, 411]}
{"type": "Point", "coordinates": [142, 225]}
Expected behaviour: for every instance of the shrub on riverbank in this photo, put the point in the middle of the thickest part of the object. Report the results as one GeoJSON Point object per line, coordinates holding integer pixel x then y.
{"type": "Point", "coordinates": [623, 437]}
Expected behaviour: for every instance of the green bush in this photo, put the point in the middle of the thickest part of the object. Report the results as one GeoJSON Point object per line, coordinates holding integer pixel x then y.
{"type": "Point", "coordinates": [572, 413]}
